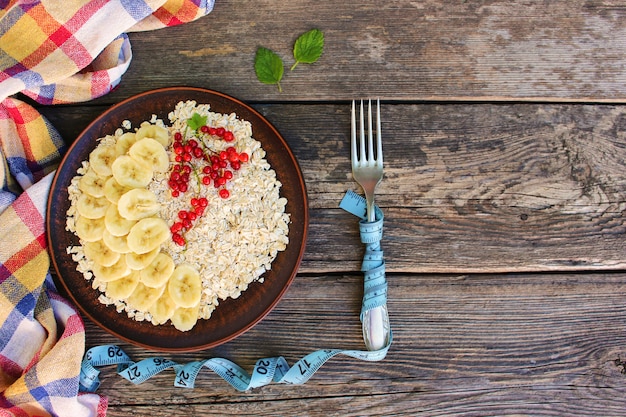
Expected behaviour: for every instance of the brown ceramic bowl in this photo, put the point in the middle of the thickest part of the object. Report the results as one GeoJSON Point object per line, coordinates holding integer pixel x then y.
{"type": "Point", "coordinates": [232, 317]}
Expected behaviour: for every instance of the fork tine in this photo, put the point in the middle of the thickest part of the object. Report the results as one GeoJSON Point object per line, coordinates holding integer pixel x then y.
{"type": "Point", "coordinates": [362, 156]}
{"type": "Point", "coordinates": [353, 137]}
{"type": "Point", "coordinates": [370, 134]}
{"type": "Point", "coordinates": [379, 139]}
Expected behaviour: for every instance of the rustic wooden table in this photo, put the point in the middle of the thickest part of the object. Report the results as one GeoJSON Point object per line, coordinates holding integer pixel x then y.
{"type": "Point", "coordinates": [505, 143]}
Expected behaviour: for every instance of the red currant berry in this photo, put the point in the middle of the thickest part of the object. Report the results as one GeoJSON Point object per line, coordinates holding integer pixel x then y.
{"type": "Point", "coordinates": [220, 132]}
{"type": "Point", "coordinates": [228, 174]}
{"type": "Point", "coordinates": [178, 239]}
{"type": "Point", "coordinates": [224, 193]}
{"type": "Point", "coordinates": [178, 136]}
{"type": "Point", "coordinates": [203, 202]}
{"type": "Point", "coordinates": [176, 227]}
{"type": "Point", "coordinates": [243, 157]}
{"type": "Point", "coordinates": [204, 129]}
{"type": "Point", "coordinates": [235, 165]}
{"type": "Point", "coordinates": [228, 136]}
{"type": "Point", "coordinates": [206, 180]}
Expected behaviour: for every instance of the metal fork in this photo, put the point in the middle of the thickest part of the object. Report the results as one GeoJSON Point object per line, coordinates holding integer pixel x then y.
{"type": "Point", "coordinates": [367, 170]}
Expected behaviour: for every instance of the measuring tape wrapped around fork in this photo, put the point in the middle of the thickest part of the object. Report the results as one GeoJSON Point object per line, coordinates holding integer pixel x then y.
{"type": "Point", "coordinates": [266, 370]}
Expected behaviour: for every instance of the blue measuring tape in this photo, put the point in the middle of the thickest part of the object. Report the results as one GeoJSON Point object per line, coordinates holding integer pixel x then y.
{"type": "Point", "coordinates": [266, 370]}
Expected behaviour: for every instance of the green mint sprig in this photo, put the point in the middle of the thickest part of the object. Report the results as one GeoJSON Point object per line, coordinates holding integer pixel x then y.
{"type": "Point", "coordinates": [308, 47]}
{"type": "Point", "coordinates": [269, 67]}
{"type": "Point", "coordinates": [196, 121]}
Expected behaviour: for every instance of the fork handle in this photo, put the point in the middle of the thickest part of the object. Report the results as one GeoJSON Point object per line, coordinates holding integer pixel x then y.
{"type": "Point", "coordinates": [376, 328]}
{"type": "Point", "coordinates": [375, 321]}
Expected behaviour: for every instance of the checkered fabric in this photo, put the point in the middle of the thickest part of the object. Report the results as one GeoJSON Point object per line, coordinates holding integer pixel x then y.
{"type": "Point", "coordinates": [52, 51]}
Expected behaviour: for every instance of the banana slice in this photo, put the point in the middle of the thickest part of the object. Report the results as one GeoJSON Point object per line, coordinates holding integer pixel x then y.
{"type": "Point", "coordinates": [115, 223]}
{"type": "Point", "coordinates": [122, 288]}
{"type": "Point", "coordinates": [113, 190]}
{"type": "Point", "coordinates": [115, 243]}
{"type": "Point", "coordinates": [101, 159]}
{"type": "Point", "coordinates": [159, 271]}
{"type": "Point", "coordinates": [151, 153]}
{"type": "Point", "coordinates": [185, 286]}
{"type": "Point", "coordinates": [184, 319]}
{"type": "Point", "coordinates": [143, 297]}
{"type": "Point", "coordinates": [137, 261]}
{"type": "Point", "coordinates": [163, 308]}
{"type": "Point", "coordinates": [124, 143]}
{"type": "Point", "coordinates": [100, 253]}
{"type": "Point", "coordinates": [89, 230]}
{"type": "Point", "coordinates": [111, 273]}
{"type": "Point", "coordinates": [92, 183]}
{"type": "Point", "coordinates": [148, 234]}
{"type": "Point", "coordinates": [137, 204]}
{"type": "Point", "coordinates": [92, 207]}
{"type": "Point", "coordinates": [130, 172]}
{"type": "Point", "coordinates": [160, 134]}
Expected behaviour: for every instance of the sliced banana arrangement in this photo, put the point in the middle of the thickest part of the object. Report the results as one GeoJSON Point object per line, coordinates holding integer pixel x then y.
{"type": "Point", "coordinates": [116, 220]}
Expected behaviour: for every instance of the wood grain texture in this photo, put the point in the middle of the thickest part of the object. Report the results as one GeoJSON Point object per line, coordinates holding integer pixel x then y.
{"type": "Point", "coordinates": [510, 345]}
{"type": "Point", "coordinates": [505, 143]}
{"type": "Point", "coordinates": [467, 187]}
{"type": "Point", "coordinates": [566, 50]}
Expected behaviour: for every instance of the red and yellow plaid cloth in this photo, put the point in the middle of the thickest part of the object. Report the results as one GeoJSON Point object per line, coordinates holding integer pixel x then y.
{"type": "Point", "coordinates": [54, 51]}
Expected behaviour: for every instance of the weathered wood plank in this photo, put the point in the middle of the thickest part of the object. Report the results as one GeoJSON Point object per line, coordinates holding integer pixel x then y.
{"type": "Point", "coordinates": [463, 345]}
{"type": "Point", "coordinates": [566, 50]}
{"type": "Point", "coordinates": [467, 188]}
{"type": "Point", "coordinates": [473, 187]}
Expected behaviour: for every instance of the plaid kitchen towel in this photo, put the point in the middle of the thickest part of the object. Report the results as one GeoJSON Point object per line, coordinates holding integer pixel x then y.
{"type": "Point", "coordinates": [54, 51]}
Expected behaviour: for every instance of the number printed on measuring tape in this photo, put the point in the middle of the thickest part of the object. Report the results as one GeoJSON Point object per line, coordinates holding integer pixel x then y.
{"type": "Point", "coordinates": [266, 370]}
{"type": "Point", "coordinates": [147, 368]}
{"type": "Point", "coordinates": [99, 356]}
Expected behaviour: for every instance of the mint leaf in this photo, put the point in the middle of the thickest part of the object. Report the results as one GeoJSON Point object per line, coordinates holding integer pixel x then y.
{"type": "Point", "coordinates": [196, 121]}
{"type": "Point", "coordinates": [268, 66]}
{"type": "Point", "coordinates": [308, 47]}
